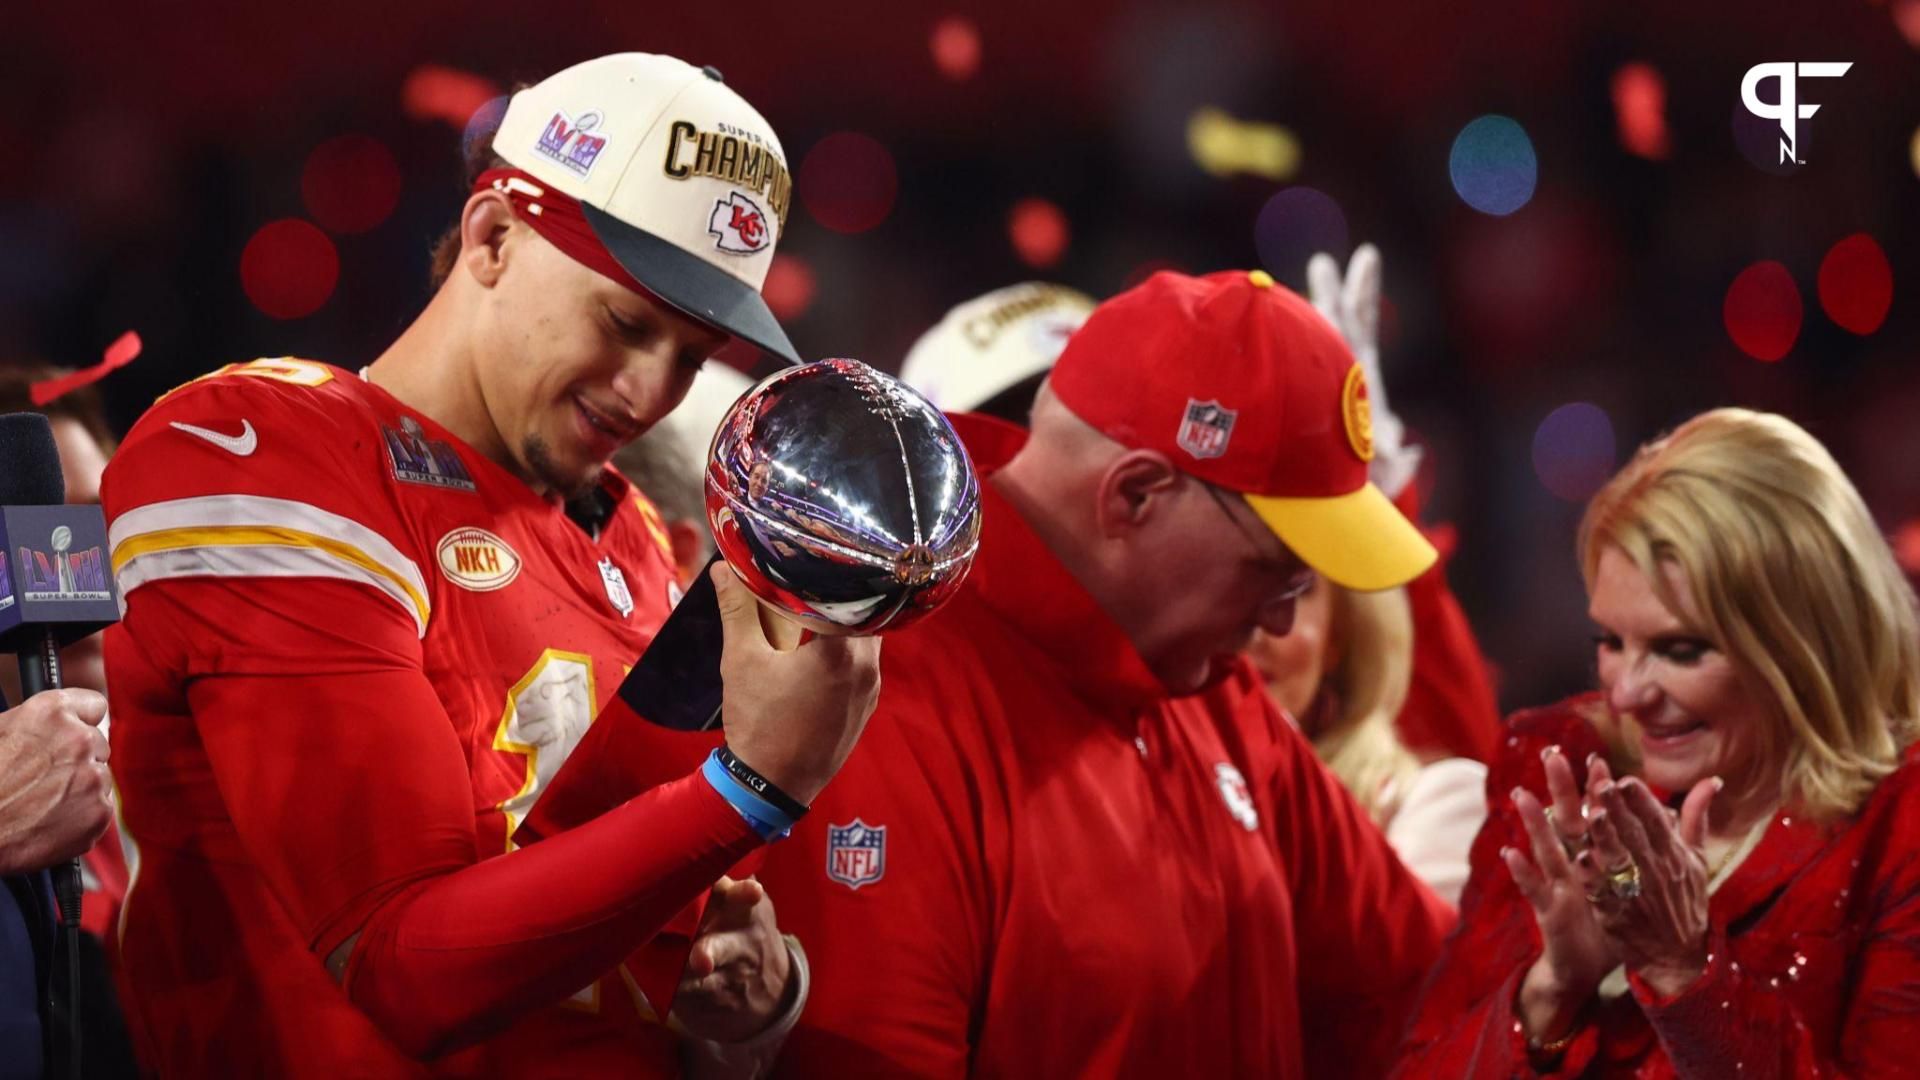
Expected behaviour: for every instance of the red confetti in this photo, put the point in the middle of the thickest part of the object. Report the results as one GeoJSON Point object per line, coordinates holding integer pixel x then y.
{"type": "Point", "coordinates": [118, 355]}
{"type": "Point", "coordinates": [1856, 284]}
{"type": "Point", "coordinates": [1762, 311]}
{"type": "Point", "coordinates": [351, 183]}
{"type": "Point", "coordinates": [1039, 232]}
{"type": "Point", "coordinates": [848, 182]}
{"type": "Point", "coordinates": [432, 92]}
{"type": "Point", "coordinates": [289, 269]}
{"type": "Point", "coordinates": [1640, 111]}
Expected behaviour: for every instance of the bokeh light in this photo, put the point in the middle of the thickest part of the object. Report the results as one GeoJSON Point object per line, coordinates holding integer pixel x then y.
{"type": "Point", "coordinates": [1039, 232]}
{"type": "Point", "coordinates": [433, 92]}
{"type": "Point", "coordinates": [289, 268]}
{"type": "Point", "coordinates": [1493, 166]}
{"type": "Point", "coordinates": [1856, 284]}
{"type": "Point", "coordinates": [1640, 111]}
{"type": "Point", "coordinates": [848, 182]}
{"type": "Point", "coordinates": [790, 286]}
{"type": "Point", "coordinates": [1224, 146]}
{"type": "Point", "coordinates": [1293, 225]}
{"type": "Point", "coordinates": [1906, 546]}
{"type": "Point", "coordinates": [955, 44]}
{"type": "Point", "coordinates": [1573, 450]}
{"type": "Point", "coordinates": [1762, 311]}
{"type": "Point", "coordinates": [351, 183]}
{"type": "Point", "coordinates": [1906, 16]}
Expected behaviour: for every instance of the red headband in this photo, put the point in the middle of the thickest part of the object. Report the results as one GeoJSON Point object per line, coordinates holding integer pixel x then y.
{"type": "Point", "coordinates": [557, 217]}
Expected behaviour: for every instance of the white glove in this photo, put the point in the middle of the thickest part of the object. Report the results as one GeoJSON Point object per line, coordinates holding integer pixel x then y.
{"type": "Point", "coordinates": [1353, 307]}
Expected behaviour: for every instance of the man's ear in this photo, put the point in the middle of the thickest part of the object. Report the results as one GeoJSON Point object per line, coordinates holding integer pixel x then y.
{"type": "Point", "coordinates": [1135, 487]}
{"type": "Point", "coordinates": [485, 222]}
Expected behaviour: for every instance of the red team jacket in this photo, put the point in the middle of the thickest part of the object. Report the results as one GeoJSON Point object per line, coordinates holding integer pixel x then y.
{"type": "Point", "coordinates": [289, 519]}
{"type": "Point", "coordinates": [1815, 966]}
{"type": "Point", "coordinates": [1036, 864]}
{"type": "Point", "coordinates": [1450, 709]}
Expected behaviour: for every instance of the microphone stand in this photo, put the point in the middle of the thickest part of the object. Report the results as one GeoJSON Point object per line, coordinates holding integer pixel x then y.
{"type": "Point", "coordinates": [40, 670]}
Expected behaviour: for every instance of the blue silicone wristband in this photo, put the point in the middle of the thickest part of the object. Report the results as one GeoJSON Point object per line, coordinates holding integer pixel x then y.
{"type": "Point", "coordinates": [765, 818]}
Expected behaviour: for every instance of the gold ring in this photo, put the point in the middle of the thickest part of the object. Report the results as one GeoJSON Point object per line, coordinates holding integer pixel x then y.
{"type": "Point", "coordinates": [1624, 882]}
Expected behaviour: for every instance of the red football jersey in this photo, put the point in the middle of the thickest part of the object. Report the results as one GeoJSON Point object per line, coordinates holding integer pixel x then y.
{"type": "Point", "coordinates": [288, 519]}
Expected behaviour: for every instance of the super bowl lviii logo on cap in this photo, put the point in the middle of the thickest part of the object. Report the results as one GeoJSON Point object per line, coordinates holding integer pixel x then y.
{"type": "Point", "coordinates": [1206, 429]}
{"type": "Point", "coordinates": [573, 143]}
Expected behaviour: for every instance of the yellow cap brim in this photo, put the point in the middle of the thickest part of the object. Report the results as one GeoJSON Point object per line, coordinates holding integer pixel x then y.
{"type": "Point", "coordinates": [1358, 541]}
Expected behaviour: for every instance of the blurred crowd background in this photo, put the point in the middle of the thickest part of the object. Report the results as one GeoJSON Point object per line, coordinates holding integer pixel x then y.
{"type": "Point", "coordinates": [1587, 237]}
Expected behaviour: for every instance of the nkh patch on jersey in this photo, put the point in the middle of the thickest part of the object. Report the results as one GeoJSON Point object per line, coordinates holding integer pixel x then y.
{"type": "Point", "coordinates": [856, 853]}
{"type": "Point", "coordinates": [475, 559]}
{"type": "Point", "coordinates": [1206, 429]}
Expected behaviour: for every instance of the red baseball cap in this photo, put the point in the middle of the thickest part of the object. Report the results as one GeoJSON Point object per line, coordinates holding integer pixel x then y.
{"type": "Point", "coordinates": [1245, 386]}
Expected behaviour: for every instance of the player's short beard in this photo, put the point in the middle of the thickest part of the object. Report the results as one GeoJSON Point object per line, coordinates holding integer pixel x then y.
{"type": "Point", "coordinates": [541, 464]}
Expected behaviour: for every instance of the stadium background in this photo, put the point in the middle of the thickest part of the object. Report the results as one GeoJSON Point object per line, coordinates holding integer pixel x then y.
{"type": "Point", "coordinates": [1587, 238]}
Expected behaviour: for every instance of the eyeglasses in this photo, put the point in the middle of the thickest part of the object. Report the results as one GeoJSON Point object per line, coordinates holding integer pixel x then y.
{"type": "Point", "coordinates": [1300, 578]}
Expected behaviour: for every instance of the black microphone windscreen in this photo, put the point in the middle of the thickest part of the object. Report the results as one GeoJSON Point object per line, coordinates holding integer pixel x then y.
{"type": "Point", "coordinates": [29, 462]}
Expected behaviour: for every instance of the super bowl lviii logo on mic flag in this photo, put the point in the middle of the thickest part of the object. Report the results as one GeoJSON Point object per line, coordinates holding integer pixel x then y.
{"type": "Point", "coordinates": [57, 571]}
{"type": "Point", "coordinates": [61, 572]}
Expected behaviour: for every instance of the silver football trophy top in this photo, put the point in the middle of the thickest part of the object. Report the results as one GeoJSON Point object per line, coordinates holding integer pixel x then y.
{"type": "Point", "coordinates": [843, 498]}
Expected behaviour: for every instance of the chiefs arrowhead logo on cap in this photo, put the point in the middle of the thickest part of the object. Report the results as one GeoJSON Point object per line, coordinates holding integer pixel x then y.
{"type": "Point", "coordinates": [1357, 413]}
{"type": "Point", "coordinates": [740, 226]}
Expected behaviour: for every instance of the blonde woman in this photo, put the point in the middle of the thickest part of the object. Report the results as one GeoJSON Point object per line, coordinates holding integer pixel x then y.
{"type": "Point", "coordinates": [1343, 673]}
{"type": "Point", "coordinates": [1712, 866]}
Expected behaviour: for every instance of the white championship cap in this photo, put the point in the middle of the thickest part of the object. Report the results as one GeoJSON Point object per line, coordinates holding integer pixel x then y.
{"type": "Point", "coordinates": [681, 180]}
{"type": "Point", "coordinates": [992, 342]}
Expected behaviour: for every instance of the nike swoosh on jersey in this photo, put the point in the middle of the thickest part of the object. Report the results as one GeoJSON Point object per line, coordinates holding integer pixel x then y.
{"type": "Point", "coordinates": [241, 444]}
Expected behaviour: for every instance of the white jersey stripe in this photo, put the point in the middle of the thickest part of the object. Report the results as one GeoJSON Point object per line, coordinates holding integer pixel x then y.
{"type": "Point", "coordinates": [255, 536]}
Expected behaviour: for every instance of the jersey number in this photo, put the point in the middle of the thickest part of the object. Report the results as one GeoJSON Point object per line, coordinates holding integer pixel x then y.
{"type": "Point", "coordinates": [284, 369]}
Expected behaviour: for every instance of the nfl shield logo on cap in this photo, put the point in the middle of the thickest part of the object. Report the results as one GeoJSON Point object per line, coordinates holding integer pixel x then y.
{"type": "Point", "coordinates": [856, 853]}
{"type": "Point", "coordinates": [1206, 429]}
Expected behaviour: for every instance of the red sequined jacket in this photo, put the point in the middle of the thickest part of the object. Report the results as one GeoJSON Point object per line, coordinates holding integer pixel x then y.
{"type": "Point", "coordinates": [1815, 968]}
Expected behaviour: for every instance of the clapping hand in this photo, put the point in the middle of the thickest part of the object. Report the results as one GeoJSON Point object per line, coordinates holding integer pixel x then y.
{"type": "Point", "coordinates": [1653, 899]}
{"type": "Point", "coordinates": [1556, 882]}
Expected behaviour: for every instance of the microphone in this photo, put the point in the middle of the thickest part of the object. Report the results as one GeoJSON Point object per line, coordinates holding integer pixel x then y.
{"type": "Point", "coordinates": [56, 587]}
{"type": "Point", "coordinates": [55, 583]}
